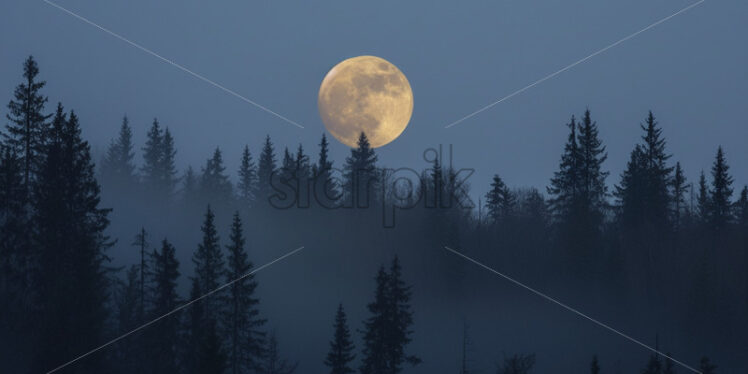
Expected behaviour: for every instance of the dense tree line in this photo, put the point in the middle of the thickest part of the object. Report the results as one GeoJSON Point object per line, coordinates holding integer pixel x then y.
{"type": "Point", "coordinates": [55, 242]}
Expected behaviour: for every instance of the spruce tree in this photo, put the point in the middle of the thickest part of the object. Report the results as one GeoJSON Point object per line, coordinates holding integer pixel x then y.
{"type": "Point", "coordinates": [214, 183]}
{"type": "Point", "coordinates": [721, 193]}
{"type": "Point", "coordinates": [631, 192]}
{"type": "Point", "coordinates": [128, 318]}
{"type": "Point", "coordinates": [593, 189]}
{"type": "Point", "coordinates": [190, 186]}
{"type": "Point", "coordinates": [564, 189]}
{"type": "Point", "coordinates": [500, 201]}
{"type": "Point", "coordinates": [658, 174]}
{"type": "Point", "coordinates": [71, 241]}
{"type": "Point", "coordinates": [141, 242]}
{"type": "Point", "coordinates": [703, 201]}
{"type": "Point", "coordinates": [741, 208]}
{"type": "Point", "coordinates": [241, 320]}
{"type": "Point", "coordinates": [209, 269]}
{"type": "Point", "coordinates": [288, 168]}
{"type": "Point", "coordinates": [361, 177]}
{"type": "Point", "coordinates": [25, 132]}
{"type": "Point", "coordinates": [167, 165]}
{"type": "Point", "coordinates": [341, 347]}
{"type": "Point", "coordinates": [375, 360]}
{"type": "Point", "coordinates": [324, 185]}
{"type": "Point", "coordinates": [247, 178]}
{"type": "Point", "coordinates": [266, 170]}
{"type": "Point", "coordinates": [209, 263]}
{"type": "Point", "coordinates": [13, 229]}
{"type": "Point", "coordinates": [117, 167]}
{"type": "Point", "coordinates": [400, 320]}
{"type": "Point", "coordinates": [152, 156]}
{"type": "Point", "coordinates": [679, 187]}
{"type": "Point", "coordinates": [163, 338]}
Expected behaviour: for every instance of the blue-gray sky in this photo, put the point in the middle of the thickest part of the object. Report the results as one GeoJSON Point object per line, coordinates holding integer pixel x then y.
{"type": "Point", "coordinates": [458, 56]}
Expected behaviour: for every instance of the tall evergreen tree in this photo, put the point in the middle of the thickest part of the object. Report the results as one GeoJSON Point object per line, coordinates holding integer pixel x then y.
{"type": "Point", "coordinates": [214, 183]}
{"type": "Point", "coordinates": [266, 169]}
{"type": "Point", "coordinates": [500, 201]}
{"type": "Point", "coordinates": [325, 186]}
{"type": "Point", "coordinates": [658, 174]}
{"type": "Point", "coordinates": [741, 208]}
{"type": "Point", "coordinates": [341, 347]}
{"type": "Point", "coordinates": [401, 320]}
{"type": "Point", "coordinates": [288, 168]}
{"type": "Point", "coordinates": [375, 337]}
{"type": "Point", "coordinates": [209, 268]}
{"type": "Point", "coordinates": [164, 336]}
{"type": "Point", "coordinates": [680, 187]}
{"type": "Point", "coordinates": [190, 192]}
{"type": "Point", "coordinates": [361, 177]}
{"type": "Point", "coordinates": [26, 131]}
{"type": "Point", "coordinates": [117, 167]}
{"type": "Point", "coordinates": [70, 237]}
{"type": "Point", "coordinates": [168, 169]}
{"type": "Point", "coordinates": [721, 192]}
{"type": "Point", "coordinates": [564, 189]}
{"type": "Point", "coordinates": [241, 318]}
{"type": "Point", "coordinates": [128, 318]}
{"type": "Point", "coordinates": [703, 201]}
{"type": "Point", "coordinates": [247, 178]}
{"type": "Point", "coordinates": [593, 189]}
{"type": "Point", "coordinates": [631, 193]}
{"type": "Point", "coordinates": [152, 156]}
{"type": "Point", "coordinates": [141, 242]}
{"type": "Point", "coordinates": [209, 263]}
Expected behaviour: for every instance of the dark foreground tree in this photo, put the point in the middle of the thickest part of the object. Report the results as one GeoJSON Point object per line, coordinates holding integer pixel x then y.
{"type": "Point", "coordinates": [241, 321]}
{"type": "Point", "coordinates": [341, 347]}
{"type": "Point", "coordinates": [163, 338]}
{"type": "Point", "coordinates": [71, 242]}
{"type": "Point", "coordinates": [274, 363]}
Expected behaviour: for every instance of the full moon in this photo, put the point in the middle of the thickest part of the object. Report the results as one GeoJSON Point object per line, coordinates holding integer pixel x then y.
{"type": "Point", "coordinates": [365, 94]}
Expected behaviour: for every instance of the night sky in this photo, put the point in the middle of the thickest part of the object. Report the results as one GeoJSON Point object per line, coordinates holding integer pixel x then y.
{"type": "Point", "coordinates": [691, 71]}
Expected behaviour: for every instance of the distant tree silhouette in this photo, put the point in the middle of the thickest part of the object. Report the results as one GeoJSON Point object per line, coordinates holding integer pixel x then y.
{"type": "Point", "coordinates": [564, 189]}
{"type": "Point", "coordinates": [70, 235]}
{"type": "Point", "coordinates": [190, 187]}
{"type": "Point", "coordinates": [325, 187]}
{"type": "Point", "coordinates": [500, 201]}
{"type": "Point", "coordinates": [658, 175]}
{"type": "Point", "coordinates": [128, 356]}
{"type": "Point", "coordinates": [25, 133]}
{"type": "Point", "coordinates": [215, 186]}
{"type": "Point", "coordinates": [721, 193]}
{"type": "Point", "coordinates": [117, 167]}
{"type": "Point", "coordinates": [741, 208]}
{"type": "Point", "coordinates": [247, 178]}
{"type": "Point", "coordinates": [241, 319]}
{"type": "Point", "coordinates": [361, 177]}
{"type": "Point", "coordinates": [704, 203]}
{"type": "Point", "coordinates": [341, 355]}
{"type": "Point", "coordinates": [679, 187]}
{"type": "Point", "coordinates": [159, 170]}
{"type": "Point", "coordinates": [266, 168]}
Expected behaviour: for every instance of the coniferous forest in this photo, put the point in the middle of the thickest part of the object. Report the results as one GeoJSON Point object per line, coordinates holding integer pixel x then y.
{"type": "Point", "coordinates": [164, 268]}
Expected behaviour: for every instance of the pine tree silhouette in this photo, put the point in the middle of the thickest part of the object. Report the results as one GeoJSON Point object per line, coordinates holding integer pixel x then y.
{"type": "Point", "coordinates": [341, 355]}
{"type": "Point", "coordinates": [247, 178]}
{"type": "Point", "coordinates": [721, 193]}
{"type": "Point", "coordinates": [241, 320]}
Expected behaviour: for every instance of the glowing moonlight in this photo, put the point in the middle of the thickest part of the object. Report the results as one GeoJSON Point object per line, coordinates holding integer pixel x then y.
{"type": "Point", "coordinates": [368, 94]}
